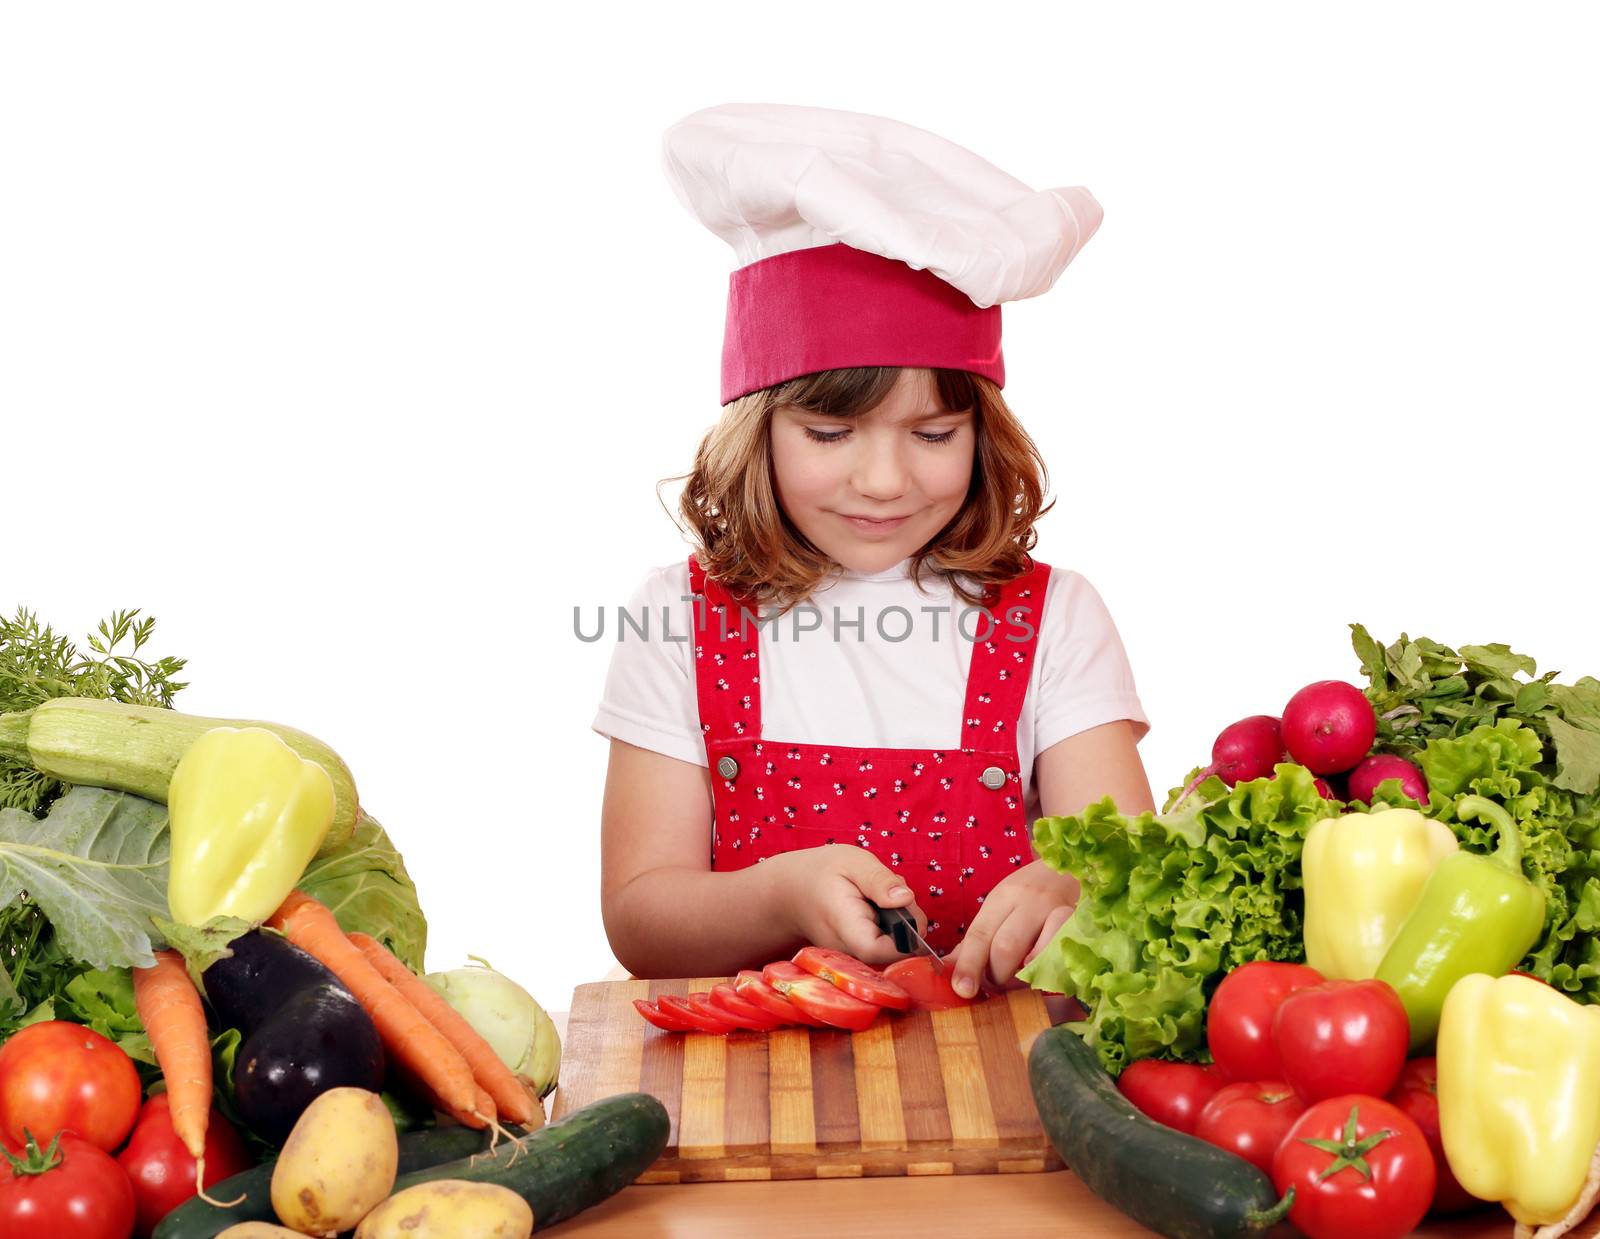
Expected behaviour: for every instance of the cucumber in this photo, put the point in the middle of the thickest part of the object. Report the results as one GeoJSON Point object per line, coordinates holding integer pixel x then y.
{"type": "Point", "coordinates": [195, 1219]}
{"type": "Point", "coordinates": [1176, 1185]}
{"type": "Point", "coordinates": [136, 748]}
{"type": "Point", "coordinates": [562, 1169]}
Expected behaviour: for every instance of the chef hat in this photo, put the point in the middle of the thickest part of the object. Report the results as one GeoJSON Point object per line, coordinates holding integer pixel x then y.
{"type": "Point", "coordinates": [863, 241]}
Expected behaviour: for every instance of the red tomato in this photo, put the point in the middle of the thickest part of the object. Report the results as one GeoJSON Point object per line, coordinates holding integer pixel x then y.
{"type": "Point", "coordinates": [664, 1020]}
{"type": "Point", "coordinates": [1239, 1020]}
{"type": "Point", "coordinates": [818, 999]}
{"type": "Point", "coordinates": [1359, 1168]}
{"type": "Point", "coordinates": [752, 987]}
{"type": "Point", "coordinates": [160, 1168]}
{"type": "Point", "coordinates": [1172, 1094]}
{"type": "Point", "coordinates": [70, 1190]}
{"type": "Point", "coordinates": [852, 976]}
{"type": "Point", "coordinates": [930, 989]}
{"type": "Point", "coordinates": [725, 998]}
{"type": "Point", "coordinates": [673, 1004]}
{"type": "Point", "coordinates": [1342, 1037]}
{"type": "Point", "coordinates": [1416, 1096]}
{"type": "Point", "coordinates": [700, 1003]}
{"type": "Point", "coordinates": [1250, 1119]}
{"type": "Point", "coordinates": [58, 1076]}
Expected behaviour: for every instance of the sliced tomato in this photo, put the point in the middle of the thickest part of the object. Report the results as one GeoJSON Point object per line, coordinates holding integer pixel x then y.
{"type": "Point", "coordinates": [852, 976]}
{"type": "Point", "coordinates": [818, 999]}
{"type": "Point", "coordinates": [929, 988]}
{"type": "Point", "coordinates": [753, 988]}
{"type": "Point", "coordinates": [674, 1004]}
{"type": "Point", "coordinates": [663, 1020]}
{"type": "Point", "coordinates": [700, 1003]}
{"type": "Point", "coordinates": [725, 998]}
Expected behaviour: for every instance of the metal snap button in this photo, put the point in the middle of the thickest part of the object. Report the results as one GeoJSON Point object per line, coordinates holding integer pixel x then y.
{"type": "Point", "coordinates": [993, 778]}
{"type": "Point", "coordinates": [727, 767]}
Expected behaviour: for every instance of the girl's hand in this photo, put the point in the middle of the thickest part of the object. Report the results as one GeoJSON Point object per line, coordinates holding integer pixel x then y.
{"type": "Point", "coordinates": [1018, 919]}
{"type": "Point", "coordinates": [824, 892]}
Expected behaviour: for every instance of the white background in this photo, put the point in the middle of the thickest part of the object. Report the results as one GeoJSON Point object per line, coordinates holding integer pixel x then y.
{"type": "Point", "coordinates": [351, 340]}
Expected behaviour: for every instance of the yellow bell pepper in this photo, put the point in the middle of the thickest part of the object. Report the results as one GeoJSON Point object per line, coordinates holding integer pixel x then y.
{"type": "Point", "coordinates": [1519, 1093]}
{"type": "Point", "coordinates": [1364, 873]}
{"type": "Point", "coordinates": [246, 814]}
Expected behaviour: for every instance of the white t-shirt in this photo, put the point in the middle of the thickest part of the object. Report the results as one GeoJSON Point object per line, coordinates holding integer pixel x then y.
{"type": "Point", "coordinates": [869, 688]}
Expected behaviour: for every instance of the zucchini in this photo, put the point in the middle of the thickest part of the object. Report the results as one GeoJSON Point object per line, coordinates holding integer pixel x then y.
{"type": "Point", "coordinates": [195, 1219]}
{"type": "Point", "coordinates": [1176, 1185]}
{"type": "Point", "coordinates": [136, 748]}
{"type": "Point", "coordinates": [562, 1169]}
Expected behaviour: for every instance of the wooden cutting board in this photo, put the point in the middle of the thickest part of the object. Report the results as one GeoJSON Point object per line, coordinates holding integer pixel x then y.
{"type": "Point", "coordinates": [943, 1092]}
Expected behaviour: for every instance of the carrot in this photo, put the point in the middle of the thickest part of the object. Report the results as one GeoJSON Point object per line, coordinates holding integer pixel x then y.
{"type": "Point", "coordinates": [169, 1008]}
{"type": "Point", "coordinates": [407, 1036]}
{"type": "Point", "coordinates": [510, 1097]}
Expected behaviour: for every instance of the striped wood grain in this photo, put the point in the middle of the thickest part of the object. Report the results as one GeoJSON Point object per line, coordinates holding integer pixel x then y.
{"type": "Point", "coordinates": [939, 1093]}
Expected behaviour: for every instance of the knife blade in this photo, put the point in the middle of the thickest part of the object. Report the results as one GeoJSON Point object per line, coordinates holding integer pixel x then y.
{"type": "Point", "coordinates": [900, 925]}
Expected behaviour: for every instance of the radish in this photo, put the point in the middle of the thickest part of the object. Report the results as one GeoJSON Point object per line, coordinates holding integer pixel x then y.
{"type": "Point", "coordinates": [1329, 726]}
{"type": "Point", "coordinates": [1243, 751]}
{"type": "Point", "coordinates": [1364, 779]}
{"type": "Point", "coordinates": [1325, 789]}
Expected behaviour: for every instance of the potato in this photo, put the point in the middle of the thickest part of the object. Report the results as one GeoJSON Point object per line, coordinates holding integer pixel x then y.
{"type": "Point", "coordinates": [338, 1163]}
{"type": "Point", "coordinates": [450, 1209]}
{"type": "Point", "coordinates": [258, 1230]}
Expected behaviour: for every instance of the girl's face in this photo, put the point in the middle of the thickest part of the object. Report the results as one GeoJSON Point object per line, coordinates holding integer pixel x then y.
{"type": "Point", "coordinates": [871, 490]}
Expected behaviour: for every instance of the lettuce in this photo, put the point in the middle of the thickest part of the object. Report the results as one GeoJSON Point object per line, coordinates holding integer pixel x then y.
{"type": "Point", "coordinates": [1171, 902]}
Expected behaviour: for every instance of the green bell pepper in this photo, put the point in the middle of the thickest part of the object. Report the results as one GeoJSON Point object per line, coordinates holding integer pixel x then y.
{"type": "Point", "coordinates": [1475, 914]}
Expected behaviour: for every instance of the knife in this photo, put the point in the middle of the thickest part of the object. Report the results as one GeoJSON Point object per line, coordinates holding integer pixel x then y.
{"type": "Point", "coordinates": [900, 925]}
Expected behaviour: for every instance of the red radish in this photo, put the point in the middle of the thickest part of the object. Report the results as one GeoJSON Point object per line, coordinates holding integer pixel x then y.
{"type": "Point", "coordinates": [1325, 789]}
{"type": "Point", "coordinates": [1364, 779]}
{"type": "Point", "coordinates": [1329, 726]}
{"type": "Point", "coordinates": [1243, 751]}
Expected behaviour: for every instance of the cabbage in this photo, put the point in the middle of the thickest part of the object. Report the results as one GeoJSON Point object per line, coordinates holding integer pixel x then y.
{"type": "Point", "coordinates": [506, 1016]}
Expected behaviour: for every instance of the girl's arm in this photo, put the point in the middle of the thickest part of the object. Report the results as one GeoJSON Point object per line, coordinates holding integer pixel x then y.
{"type": "Point", "coordinates": [668, 915]}
{"type": "Point", "coordinates": [1024, 911]}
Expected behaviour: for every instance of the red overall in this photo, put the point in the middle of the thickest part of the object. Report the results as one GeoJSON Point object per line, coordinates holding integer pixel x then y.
{"type": "Point", "coordinates": [952, 822]}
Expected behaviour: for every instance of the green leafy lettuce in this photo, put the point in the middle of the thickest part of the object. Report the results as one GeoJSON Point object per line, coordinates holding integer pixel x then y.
{"type": "Point", "coordinates": [1172, 901]}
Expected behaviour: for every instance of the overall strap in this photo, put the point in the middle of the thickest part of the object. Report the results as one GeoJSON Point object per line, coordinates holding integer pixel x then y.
{"type": "Point", "coordinates": [727, 660]}
{"type": "Point", "coordinates": [997, 679]}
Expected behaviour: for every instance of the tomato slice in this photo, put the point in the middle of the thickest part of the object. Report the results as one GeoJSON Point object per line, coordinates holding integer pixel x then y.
{"type": "Point", "coordinates": [674, 1004]}
{"type": "Point", "coordinates": [700, 1003]}
{"type": "Point", "coordinates": [726, 999]}
{"type": "Point", "coordinates": [852, 976]}
{"type": "Point", "coordinates": [664, 1020]}
{"type": "Point", "coordinates": [818, 999]}
{"type": "Point", "coordinates": [929, 988]}
{"type": "Point", "coordinates": [753, 988]}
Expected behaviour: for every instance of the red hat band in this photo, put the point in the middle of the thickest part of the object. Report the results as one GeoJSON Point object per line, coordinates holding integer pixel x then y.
{"type": "Point", "coordinates": [833, 306]}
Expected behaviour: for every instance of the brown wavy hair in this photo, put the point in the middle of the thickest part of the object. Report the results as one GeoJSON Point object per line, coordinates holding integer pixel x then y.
{"type": "Point", "coordinates": [746, 542]}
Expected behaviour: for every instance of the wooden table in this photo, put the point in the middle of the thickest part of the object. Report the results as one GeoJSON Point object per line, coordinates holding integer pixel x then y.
{"type": "Point", "coordinates": [1015, 1206]}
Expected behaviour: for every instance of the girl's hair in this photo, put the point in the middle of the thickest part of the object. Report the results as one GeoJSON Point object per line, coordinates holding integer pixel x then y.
{"type": "Point", "coordinates": [746, 542]}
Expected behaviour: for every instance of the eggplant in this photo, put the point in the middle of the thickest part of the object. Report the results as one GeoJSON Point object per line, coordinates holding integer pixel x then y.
{"type": "Point", "coordinates": [304, 1032]}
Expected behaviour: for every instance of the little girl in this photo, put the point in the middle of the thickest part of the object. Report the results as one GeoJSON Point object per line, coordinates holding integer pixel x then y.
{"type": "Point", "coordinates": [861, 688]}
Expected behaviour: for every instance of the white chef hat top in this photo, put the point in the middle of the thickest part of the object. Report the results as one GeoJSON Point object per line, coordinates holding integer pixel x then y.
{"type": "Point", "coordinates": [772, 178]}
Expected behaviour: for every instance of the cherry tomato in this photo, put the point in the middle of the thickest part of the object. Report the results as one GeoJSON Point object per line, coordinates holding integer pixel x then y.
{"type": "Point", "coordinates": [929, 988]}
{"type": "Point", "coordinates": [752, 987]}
{"type": "Point", "coordinates": [1239, 1020]}
{"type": "Point", "coordinates": [69, 1189]}
{"type": "Point", "coordinates": [673, 1004]}
{"type": "Point", "coordinates": [852, 976]}
{"type": "Point", "coordinates": [818, 999]}
{"type": "Point", "coordinates": [725, 998]}
{"type": "Point", "coordinates": [1416, 1095]}
{"type": "Point", "coordinates": [57, 1076]}
{"type": "Point", "coordinates": [160, 1168]}
{"type": "Point", "coordinates": [1170, 1093]}
{"type": "Point", "coordinates": [664, 1020]}
{"type": "Point", "coordinates": [1250, 1119]}
{"type": "Point", "coordinates": [1359, 1168]}
{"type": "Point", "coordinates": [1342, 1037]}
